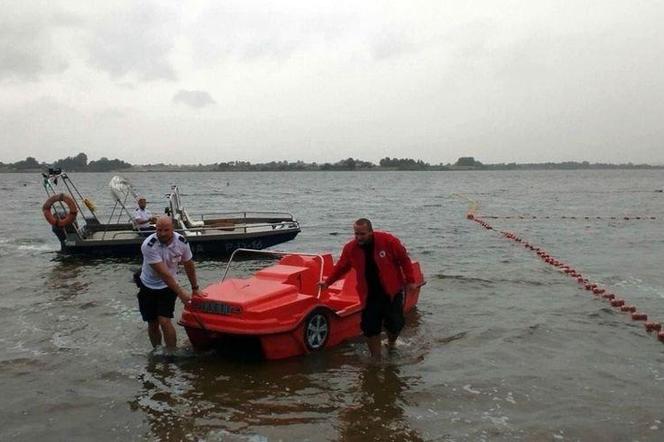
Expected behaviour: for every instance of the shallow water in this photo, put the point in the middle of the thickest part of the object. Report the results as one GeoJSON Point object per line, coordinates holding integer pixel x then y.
{"type": "Point", "coordinates": [501, 347]}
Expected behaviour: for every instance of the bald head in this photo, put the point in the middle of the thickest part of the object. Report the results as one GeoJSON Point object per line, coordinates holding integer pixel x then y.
{"type": "Point", "coordinates": [364, 222]}
{"type": "Point", "coordinates": [164, 221]}
{"type": "Point", "coordinates": [363, 231]}
{"type": "Point", "coordinates": [164, 229]}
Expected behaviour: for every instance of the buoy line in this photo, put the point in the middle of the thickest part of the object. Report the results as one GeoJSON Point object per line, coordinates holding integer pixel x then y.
{"type": "Point", "coordinates": [617, 303]}
{"type": "Point", "coordinates": [574, 217]}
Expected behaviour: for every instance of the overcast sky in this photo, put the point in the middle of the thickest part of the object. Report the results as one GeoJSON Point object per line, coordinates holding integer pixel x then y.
{"type": "Point", "coordinates": [212, 81]}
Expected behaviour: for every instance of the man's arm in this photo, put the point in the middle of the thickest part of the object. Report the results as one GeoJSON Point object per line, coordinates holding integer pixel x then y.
{"type": "Point", "coordinates": [170, 281]}
{"type": "Point", "coordinates": [340, 269]}
{"type": "Point", "coordinates": [139, 220]}
{"type": "Point", "coordinates": [190, 270]}
{"type": "Point", "coordinates": [404, 262]}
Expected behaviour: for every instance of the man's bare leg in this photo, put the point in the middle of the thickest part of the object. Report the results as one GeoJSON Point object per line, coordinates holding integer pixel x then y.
{"type": "Point", "coordinates": [170, 338]}
{"type": "Point", "coordinates": [374, 347]}
{"type": "Point", "coordinates": [154, 333]}
{"type": "Point", "coordinates": [391, 340]}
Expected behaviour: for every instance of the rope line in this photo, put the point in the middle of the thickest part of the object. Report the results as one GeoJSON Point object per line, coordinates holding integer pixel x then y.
{"type": "Point", "coordinates": [620, 304]}
{"type": "Point", "coordinates": [572, 217]}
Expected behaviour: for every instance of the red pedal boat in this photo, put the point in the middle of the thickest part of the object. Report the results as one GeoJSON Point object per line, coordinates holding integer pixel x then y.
{"type": "Point", "coordinates": [282, 306]}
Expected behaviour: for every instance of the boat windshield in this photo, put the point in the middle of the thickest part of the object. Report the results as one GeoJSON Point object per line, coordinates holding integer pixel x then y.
{"type": "Point", "coordinates": [121, 189]}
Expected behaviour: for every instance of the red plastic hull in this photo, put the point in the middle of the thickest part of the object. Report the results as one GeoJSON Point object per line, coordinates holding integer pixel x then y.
{"type": "Point", "coordinates": [291, 343]}
{"type": "Point", "coordinates": [276, 307]}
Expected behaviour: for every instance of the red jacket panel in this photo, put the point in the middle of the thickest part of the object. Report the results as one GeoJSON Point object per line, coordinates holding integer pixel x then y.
{"type": "Point", "coordinates": [394, 266]}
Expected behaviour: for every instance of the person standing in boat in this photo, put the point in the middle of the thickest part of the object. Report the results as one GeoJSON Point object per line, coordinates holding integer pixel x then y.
{"type": "Point", "coordinates": [162, 252]}
{"type": "Point", "coordinates": [384, 275]}
{"type": "Point", "coordinates": [142, 216]}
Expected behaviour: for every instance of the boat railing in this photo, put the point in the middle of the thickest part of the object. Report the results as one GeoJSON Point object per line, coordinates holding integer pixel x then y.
{"type": "Point", "coordinates": [278, 253]}
{"type": "Point", "coordinates": [217, 215]}
{"type": "Point", "coordinates": [245, 227]}
{"type": "Point", "coordinates": [189, 231]}
{"type": "Point", "coordinates": [128, 233]}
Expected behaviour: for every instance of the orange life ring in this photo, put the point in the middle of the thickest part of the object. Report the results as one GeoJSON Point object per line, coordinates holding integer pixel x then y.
{"type": "Point", "coordinates": [51, 218]}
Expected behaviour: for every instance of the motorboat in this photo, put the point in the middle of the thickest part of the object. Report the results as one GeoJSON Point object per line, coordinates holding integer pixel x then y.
{"type": "Point", "coordinates": [281, 307]}
{"type": "Point", "coordinates": [217, 234]}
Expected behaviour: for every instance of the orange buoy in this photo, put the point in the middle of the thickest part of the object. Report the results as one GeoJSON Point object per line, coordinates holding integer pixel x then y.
{"type": "Point", "coordinates": [628, 308]}
{"type": "Point", "coordinates": [638, 316]}
{"type": "Point", "coordinates": [653, 326]}
{"type": "Point", "coordinates": [617, 302]}
{"type": "Point", "coordinates": [50, 217]}
{"type": "Point", "coordinates": [660, 336]}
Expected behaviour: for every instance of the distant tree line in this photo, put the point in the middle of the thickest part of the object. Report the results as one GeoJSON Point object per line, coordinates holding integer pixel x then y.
{"type": "Point", "coordinates": [403, 164]}
{"type": "Point", "coordinates": [79, 163]}
{"type": "Point", "coordinates": [28, 163]}
{"type": "Point", "coordinates": [568, 165]}
{"type": "Point", "coordinates": [347, 164]}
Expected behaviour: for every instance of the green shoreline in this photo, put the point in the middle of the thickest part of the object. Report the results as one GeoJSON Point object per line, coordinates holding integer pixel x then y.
{"type": "Point", "coordinates": [372, 170]}
{"type": "Point", "coordinates": [80, 163]}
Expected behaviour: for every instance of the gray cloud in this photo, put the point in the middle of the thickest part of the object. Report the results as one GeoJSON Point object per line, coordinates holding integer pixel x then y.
{"type": "Point", "coordinates": [390, 44]}
{"type": "Point", "coordinates": [27, 44]}
{"type": "Point", "coordinates": [320, 80]}
{"type": "Point", "coordinates": [135, 41]}
{"type": "Point", "coordinates": [267, 31]}
{"type": "Point", "coordinates": [49, 129]}
{"type": "Point", "coordinates": [195, 99]}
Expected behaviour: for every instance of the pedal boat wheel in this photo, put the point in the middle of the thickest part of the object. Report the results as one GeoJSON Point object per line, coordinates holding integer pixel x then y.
{"type": "Point", "coordinates": [316, 329]}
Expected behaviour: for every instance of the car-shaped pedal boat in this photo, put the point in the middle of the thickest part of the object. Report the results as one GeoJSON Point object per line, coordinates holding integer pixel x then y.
{"type": "Point", "coordinates": [281, 306]}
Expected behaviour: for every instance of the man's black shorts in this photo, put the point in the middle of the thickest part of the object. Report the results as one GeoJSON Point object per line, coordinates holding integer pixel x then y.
{"type": "Point", "coordinates": [381, 311]}
{"type": "Point", "coordinates": [153, 303]}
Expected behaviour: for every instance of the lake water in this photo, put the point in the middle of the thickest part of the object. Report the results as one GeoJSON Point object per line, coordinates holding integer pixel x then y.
{"type": "Point", "coordinates": [502, 346]}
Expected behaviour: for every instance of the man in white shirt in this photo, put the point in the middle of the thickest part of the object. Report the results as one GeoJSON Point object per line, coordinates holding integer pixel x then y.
{"type": "Point", "coordinates": [162, 252]}
{"type": "Point", "coordinates": [142, 216]}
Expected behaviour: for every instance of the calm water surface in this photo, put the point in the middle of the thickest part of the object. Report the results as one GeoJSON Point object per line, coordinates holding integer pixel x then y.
{"type": "Point", "coordinates": [501, 347]}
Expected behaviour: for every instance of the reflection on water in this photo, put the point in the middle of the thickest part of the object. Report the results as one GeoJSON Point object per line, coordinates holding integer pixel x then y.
{"type": "Point", "coordinates": [71, 276]}
{"type": "Point", "coordinates": [377, 411]}
{"type": "Point", "coordinates": [498, 351]}
{"type": "Point", "coordinates": [204, 396]}
{"type": "Point", "coordinates": [67, 279]}
{"type": "Point", "coordinates": [164, 401]}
